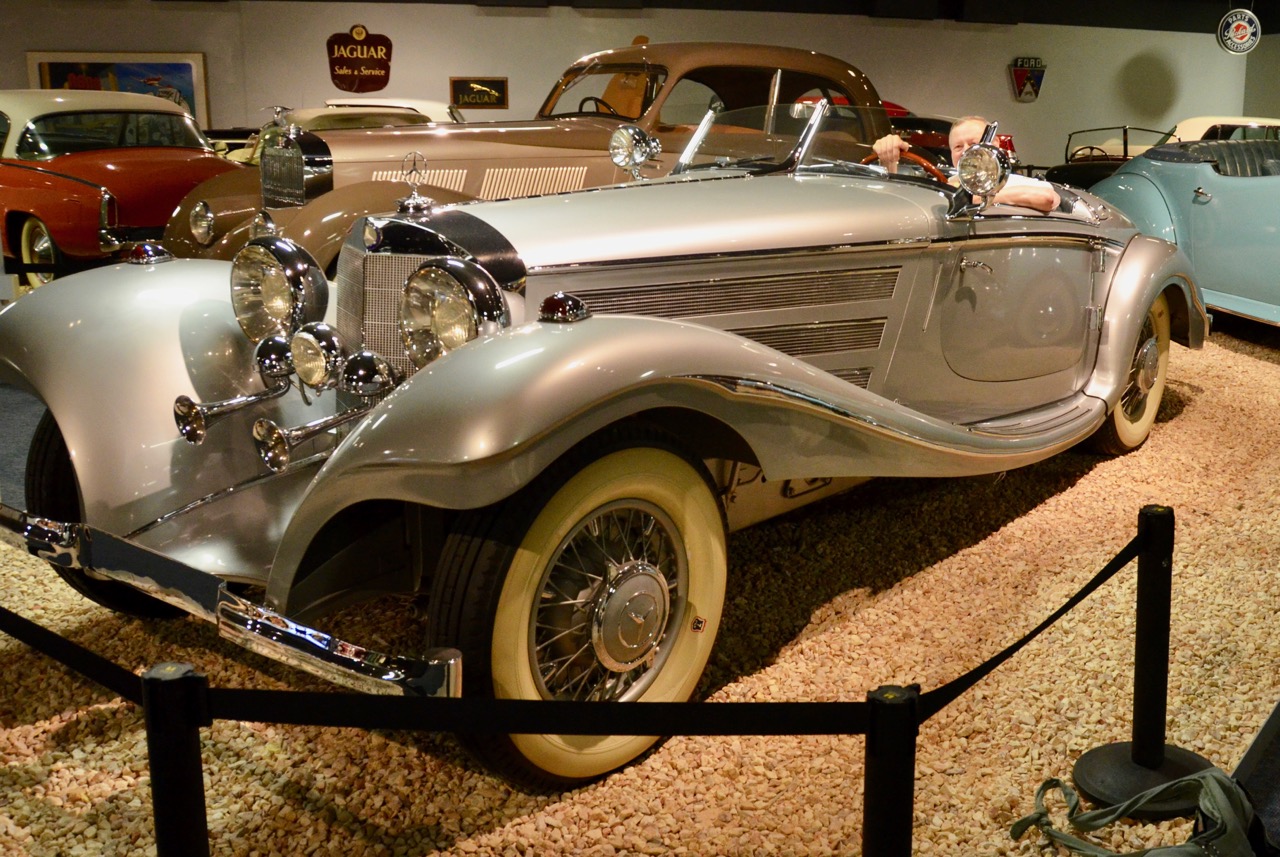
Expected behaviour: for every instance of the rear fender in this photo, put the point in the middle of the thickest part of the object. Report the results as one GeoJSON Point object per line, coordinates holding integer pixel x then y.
{"type": "Point", "coordinates": [1149, 267]}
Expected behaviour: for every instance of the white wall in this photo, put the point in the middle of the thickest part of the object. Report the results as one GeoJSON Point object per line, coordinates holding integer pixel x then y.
{"type": "Point", "coordinates": [260, 53]}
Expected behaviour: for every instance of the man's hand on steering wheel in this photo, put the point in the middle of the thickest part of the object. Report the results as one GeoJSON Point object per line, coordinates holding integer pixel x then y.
{"type": "Point", "coordinates": [919, 160]}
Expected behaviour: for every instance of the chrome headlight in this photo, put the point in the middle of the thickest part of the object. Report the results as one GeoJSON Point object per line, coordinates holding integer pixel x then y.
{"type": "Point", "coordinates": [630, 147]}
{"type": "Point", "coordinates": [983, 170]}
{"type": "Point", "coordinates": [446, 303]}
{"type": "Point", "coordinates": [276, 287]}
{"type": "Point", "coordinates": [317, 355]}
{"type": "Point", "coordinates": [201, 221]}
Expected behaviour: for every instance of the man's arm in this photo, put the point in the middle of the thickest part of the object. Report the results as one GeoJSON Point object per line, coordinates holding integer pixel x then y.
{"type": "Point", "coordinates": [1031, 193]}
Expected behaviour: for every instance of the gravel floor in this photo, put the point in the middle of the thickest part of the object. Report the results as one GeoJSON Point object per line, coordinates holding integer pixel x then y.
{"type": "Point", "coordinates": [898, 582]}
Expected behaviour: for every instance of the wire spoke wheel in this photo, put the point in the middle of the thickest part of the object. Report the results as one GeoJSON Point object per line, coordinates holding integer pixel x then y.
{"type": "Point", "coordinates": [614, 587]}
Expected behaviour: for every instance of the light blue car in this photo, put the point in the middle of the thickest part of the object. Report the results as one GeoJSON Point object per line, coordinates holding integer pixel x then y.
{"type": "Point", "coordinates": [1219, 201]}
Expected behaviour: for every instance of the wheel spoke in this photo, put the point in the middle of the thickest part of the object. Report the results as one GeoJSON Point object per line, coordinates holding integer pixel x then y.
{"type": "Point", "coordinates": [585, 605]}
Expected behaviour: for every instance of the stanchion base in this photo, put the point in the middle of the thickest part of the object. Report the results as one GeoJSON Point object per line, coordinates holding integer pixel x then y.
{"type": "Point", "coordinates": [1107, 775]}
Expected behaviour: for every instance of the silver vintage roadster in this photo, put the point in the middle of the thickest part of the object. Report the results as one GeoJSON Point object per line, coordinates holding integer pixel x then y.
{"type": "Point", "coordinates": [543, 415]}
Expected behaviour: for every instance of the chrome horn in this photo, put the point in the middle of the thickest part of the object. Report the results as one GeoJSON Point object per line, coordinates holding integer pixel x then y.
{"type": "Point", "coordinates": [275, 445]}
{"type": "Point", "coordinates": [364, 374]}
{"type": "Point", "coordinates": [275, 365]}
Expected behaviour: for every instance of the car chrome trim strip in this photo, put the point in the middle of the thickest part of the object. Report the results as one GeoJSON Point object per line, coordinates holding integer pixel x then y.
{"type": "Point", "coordinates": [250, 625]}
{"type": "Point", "coordinates": [314, 459]}
{"type": "Point", "coordinates": [1001, 239]}
{"type": "Point", "coordinates": [1074, 419]}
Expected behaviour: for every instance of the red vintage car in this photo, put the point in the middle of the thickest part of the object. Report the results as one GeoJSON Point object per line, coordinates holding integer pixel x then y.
{"type": "Point", "coordinates": [84, 174]}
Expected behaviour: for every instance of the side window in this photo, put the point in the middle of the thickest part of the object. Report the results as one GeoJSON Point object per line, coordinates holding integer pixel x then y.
{"type": "Point", "coordinates": [688, 102]}
{"type": "Point", "coordinates": [4, 130]}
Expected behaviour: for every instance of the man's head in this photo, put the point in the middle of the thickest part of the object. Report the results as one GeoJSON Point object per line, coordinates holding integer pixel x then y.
{"type": "Point", "coordinates": [964, 133]}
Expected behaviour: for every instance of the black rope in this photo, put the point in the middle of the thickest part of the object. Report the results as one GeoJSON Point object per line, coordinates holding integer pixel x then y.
{"type": "Point", "coordinates": [535, 716]}
{"type": "Point", "coordinates": [89, 664]}
{"type": "Point", "coordinates": [935, 700]}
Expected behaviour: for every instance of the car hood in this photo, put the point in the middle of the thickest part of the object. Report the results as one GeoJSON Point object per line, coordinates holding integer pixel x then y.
{"type": "Point", "coordinates": [146, 182]}
{"type": "Point", "coordinates": [683, 217]}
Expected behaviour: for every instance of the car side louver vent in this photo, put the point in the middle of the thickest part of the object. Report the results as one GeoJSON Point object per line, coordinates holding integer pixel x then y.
{"type": "Point", "coordinates": [506, 183]}
{"type": "Point", "coordinates": [806, 340]}
{"type": "Point", "coordinates": [779, 291]}
{"type": "Point", "coordinates": [860, 375]}
{"type": "Point", "coordinates": [451, 179]}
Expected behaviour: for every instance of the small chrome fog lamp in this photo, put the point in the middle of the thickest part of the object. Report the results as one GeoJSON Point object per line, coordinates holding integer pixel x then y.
{"type": "Point", "coordinates": [317, 355]}
{"type": "Point", "coordinates": [274, 358]}
{"type": "Point", "coordinates": [445, 303]}
{"type": "Point", "coordinates": [983, 170]}
{"type": "Point", "coordinates": [276, 287]}
{"type": "Point", "coordinates": [367, 374]}
{"type": "Point", "coordinates": [201, 221]}
{"type": "Point", "coordinates": [630, 147]}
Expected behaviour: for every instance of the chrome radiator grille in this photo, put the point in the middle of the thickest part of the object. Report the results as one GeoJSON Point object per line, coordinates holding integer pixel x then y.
{"type": "Point", "coordinates": [679, 300]}
{"type": "Point", "coordinates": [369, 288]}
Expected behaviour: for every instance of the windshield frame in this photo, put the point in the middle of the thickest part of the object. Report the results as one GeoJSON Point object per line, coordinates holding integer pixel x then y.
{"type": "Point", "coordinates": [655, 78]}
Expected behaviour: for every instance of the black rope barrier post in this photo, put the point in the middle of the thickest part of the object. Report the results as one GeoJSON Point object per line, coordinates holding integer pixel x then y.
{"type": "Point", "coordinates": [174, 701]}
{"type": "Point", "coordinates": [889, 779]}
{"type": "Point", "coordinates": [1113, 773]}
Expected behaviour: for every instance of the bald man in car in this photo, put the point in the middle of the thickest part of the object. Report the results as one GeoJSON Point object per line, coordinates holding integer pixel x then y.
{"type": "Point", "coordinates": [1019, 190]}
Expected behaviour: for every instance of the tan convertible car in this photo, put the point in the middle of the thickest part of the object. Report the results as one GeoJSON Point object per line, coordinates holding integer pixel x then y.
{"type": "Point", "coordinates": [314, 185]}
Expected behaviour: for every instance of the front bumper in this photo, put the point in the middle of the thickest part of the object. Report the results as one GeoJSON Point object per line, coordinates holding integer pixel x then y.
{"type": "Point", "coordinates": [77, 546]}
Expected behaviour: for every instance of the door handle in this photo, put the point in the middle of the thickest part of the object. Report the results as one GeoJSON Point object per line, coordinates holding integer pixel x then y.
{"type": "Point", "coordinates": [966, 262]}
{"type": "Point", "coordinates": [1202, 195]}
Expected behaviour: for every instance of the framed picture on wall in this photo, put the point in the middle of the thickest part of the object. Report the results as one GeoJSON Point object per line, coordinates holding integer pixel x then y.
{"type": "Point", "coordinates": [179, 77]}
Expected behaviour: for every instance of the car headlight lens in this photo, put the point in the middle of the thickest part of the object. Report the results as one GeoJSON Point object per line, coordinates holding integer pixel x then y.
{"type": "Point", "coordinates": [983, 170]}
{"type": "Point", "coordinates": [276, 287]}
{"type": "Point", "coordinates": [201, 221]}
{"type": "Point", "coordinates": [317, 355]}
{"type": "Point", "coordinates": [446, 303]}
{"type": "Point", "coordinates": [435, 315]}
{"type": "Point", "coordinates": [629, 147]}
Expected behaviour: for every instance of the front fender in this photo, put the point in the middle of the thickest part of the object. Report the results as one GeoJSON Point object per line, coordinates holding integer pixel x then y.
{"type": "Point", "coordinates": [107, 351]}
{"type": "Point", "coordinates": [478, 424]}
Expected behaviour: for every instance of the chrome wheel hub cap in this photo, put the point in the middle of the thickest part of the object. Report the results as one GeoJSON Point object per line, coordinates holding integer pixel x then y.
{"type": "Point", "coordinates": [630, 616]}
{"type": "Point", "coordinates": [1147, 365]}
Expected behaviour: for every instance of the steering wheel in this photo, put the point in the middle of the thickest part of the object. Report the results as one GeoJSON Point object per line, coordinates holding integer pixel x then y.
{"type": "Point", "coordinates": [599, 102]}
{"type": "Point", "coordinates": [1089, 152]}
{"type": "Point", "coordinates": [919, 160]}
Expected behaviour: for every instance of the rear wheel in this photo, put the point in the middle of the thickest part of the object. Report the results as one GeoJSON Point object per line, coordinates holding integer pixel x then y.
{"type": "Point", "coordinates": [37, 249]}
{"type": "Point", "coordinates": [602, 581]}
{"type": "Point", "coordinates": [52, 492]}
{"type": "Point", "coordinates": [1129, 424]}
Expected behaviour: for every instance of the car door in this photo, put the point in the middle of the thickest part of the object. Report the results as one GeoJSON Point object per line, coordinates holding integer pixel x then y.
{"type": "Point", "coordinates": [1234, 240]}
{"type": "Point", "coordinates": [1012, 323]}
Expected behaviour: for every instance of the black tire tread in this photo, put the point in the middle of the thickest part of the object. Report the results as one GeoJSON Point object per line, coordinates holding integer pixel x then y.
{"type": "Point", "coordinates": [52, 491]}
